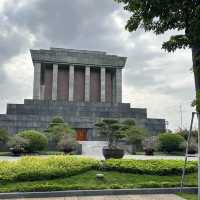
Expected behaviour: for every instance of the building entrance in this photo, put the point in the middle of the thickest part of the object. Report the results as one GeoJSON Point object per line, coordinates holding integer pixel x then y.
{"type": "Point", "coordinates": [81, 134]}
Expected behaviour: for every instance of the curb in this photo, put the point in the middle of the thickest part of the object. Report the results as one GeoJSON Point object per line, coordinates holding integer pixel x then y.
{"type": "Point", "coordinates": [71, 193]}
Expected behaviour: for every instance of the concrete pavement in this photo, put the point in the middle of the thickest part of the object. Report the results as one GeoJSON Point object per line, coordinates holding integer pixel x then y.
{"type": "Point", "coordinates": [126, 197]}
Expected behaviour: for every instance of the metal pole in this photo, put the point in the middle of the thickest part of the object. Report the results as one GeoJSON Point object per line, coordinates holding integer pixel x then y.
{"type": "Point", "coordinates": [186, 151]}
{"type": "Point", "coordinates": [198, 115]}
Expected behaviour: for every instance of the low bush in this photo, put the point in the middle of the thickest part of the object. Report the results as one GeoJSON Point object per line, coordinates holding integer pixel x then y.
{"type": "Point", "coordinates": [153, 167]}
{"type": "Point", "coordinates": [36, 168]}
{"type": "Point", "coordinates": [169, 142]}
{"type": "Point", "coordinates": [37, 140]}
{"type": "Point", "coordinates": [17, 145]}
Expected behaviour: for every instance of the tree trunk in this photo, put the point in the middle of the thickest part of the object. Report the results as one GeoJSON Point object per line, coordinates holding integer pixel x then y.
{"type": "Point", "coordinates": [196, 66]}
{"type": "Point", "coordinates": [196, 69]}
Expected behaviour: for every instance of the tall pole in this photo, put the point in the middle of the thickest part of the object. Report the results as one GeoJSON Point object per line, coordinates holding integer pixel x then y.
{"type": "Point", "coordinates": [181, 117]}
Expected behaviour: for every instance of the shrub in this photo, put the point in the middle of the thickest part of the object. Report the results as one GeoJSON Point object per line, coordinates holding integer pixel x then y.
{"type": "Point", "coordinates": [37, 168]}
{"type": "Point", "coordinates": [150, 144]}
{"type": "Point", "coordinates": [171, 142]}
{"type": "Point", "coordinates": [37, 140]}
{"type": "Point", "coordinates": [3, 135]}
{"type": "Point", "coordinates": [153, 167]}
{"type": "Point", "coordinates": [17, 145]}
{"type": "Point", "coordinates": [57, 130]}
{"type": "Point", "coordinates": [67, 144]}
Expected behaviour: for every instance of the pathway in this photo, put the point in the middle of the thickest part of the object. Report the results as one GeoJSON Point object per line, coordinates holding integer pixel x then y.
{"type": "Point", "coordinates": [127, 197]}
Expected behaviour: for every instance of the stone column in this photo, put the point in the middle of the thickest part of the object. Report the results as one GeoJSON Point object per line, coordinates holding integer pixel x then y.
{"type": "Point", "coordinates": [87, 84]}
{"type": "Point", "coordinates": [36, 82]}
{"type": "Point", "coordinates": [114, 87]}
{"type": "Point", "coordinates": [118, 85]}
{"type": "Point", "coordinates": [103, 84]}
{"type": "Point", "coordinates": [42, 91]}
{"type": "Point", "coordinates": [71, 82]}
{"type": "Point", "coordinates": [55, 81]}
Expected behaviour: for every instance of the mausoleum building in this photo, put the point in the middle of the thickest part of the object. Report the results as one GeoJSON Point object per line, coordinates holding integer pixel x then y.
{"type": "Point", "coordinates": [80, 86]}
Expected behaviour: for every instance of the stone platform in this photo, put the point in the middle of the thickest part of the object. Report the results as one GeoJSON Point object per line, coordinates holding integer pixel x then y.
{"type": "Point", "coordinates": [36, 114]}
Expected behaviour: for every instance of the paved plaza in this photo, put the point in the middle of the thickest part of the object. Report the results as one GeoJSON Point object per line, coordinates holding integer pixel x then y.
{"type": "Point", "coordinates": [127, 197]}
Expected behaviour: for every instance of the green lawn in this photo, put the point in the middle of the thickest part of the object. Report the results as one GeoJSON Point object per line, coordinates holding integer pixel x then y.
{"type": "Point", "coordinates": [87, 180]}
{"type": "Point", "coordinates": [188, 196]}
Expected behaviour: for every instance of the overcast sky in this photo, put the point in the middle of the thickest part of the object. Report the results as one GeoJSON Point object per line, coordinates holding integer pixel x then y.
{"type": "Point", "coordinates": [153, 78]}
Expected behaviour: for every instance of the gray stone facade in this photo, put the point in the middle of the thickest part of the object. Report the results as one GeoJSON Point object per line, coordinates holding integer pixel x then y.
{"type": "Point", "coordinates": [75, 72]}
{"type": "Point", "coordinates": [36, 114]}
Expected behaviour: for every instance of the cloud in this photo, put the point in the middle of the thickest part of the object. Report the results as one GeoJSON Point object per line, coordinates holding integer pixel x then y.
{"type": "Point", "coordinates": [152, 78]}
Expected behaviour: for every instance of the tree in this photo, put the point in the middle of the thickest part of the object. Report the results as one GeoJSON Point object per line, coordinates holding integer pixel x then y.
{"type": "Point", "coordinates": [133, 134]}
{"type": "Point", "coordinates": [57, 130]}
{"type": "Point", "coordinates": [161, 16]}
{"type": "Point", "coordinates": [67, 144]}
{"type": "Point", "coordinates": [112, 130]}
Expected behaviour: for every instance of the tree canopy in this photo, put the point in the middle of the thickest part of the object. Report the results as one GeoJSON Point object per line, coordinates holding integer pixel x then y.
{"type": "Point", "coordinates": [160, 16]}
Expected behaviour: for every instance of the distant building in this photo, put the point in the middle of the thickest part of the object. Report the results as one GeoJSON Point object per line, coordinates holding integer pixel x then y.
{"type": "Point", "coordinates": [79, 85]}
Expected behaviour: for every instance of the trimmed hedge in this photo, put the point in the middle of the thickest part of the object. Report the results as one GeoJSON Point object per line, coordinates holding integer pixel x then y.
{"type": "Point", "coordinates": [37, 168]}
{"type": "Point", "coordinates": [152, 167]}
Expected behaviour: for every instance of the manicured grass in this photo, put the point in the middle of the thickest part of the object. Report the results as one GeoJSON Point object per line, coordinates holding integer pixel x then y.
{"type": "Point", "coordinates": [188, 196]}
{"type": "Point", "coordinates": [87, 180]}
{"type": "Point", "coordinates": [74, 172]}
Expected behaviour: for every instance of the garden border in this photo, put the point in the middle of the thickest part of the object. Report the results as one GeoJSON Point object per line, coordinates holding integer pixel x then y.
{"type": "Point", "coordinates": [71, 193]}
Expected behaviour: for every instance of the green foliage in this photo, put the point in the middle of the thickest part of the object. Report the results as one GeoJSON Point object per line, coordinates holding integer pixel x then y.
{"type": "Point", "coordinates": [153, 167]}
{"type": "Point", "coordinates": [129, 122]}
{"type": "Point", "coordinates": [3, 135]}
{"type": "Point", "coordinates": [162, 16]}
{"type": "Point", "coordinates": [56, 121]}
{"type": "Point", "coordinates": [112, 130]}
{"type": "Point", "coordinates": [170, 142]}
{"type": "Point", "coordinates": [150, 143]}
{"type": "Point", "coordinates": [188, 196]}
{"type": "Point", "coordinates": [67, 144]}
{"type": "Point", "coordinates": [88, 181]}
{"type": "Point", "coordinates": [183, 132]}
{"type": "Point", "coordinates": [18, 144]}
{"type": "Point", "coordinates": [196, 102]}
{"type": "Point", "coordinates": [134, 135]}
{"type": "Point", "coordinates": [37, 140]}
{"type": "Point", "coordinates": [37, 168]}
{"type": "Point", "coordinates": [57, 130]}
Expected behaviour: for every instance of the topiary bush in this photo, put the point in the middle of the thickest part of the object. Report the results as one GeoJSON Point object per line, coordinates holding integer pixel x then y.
{"type": "Point", "coordinates": [169, 142]}
{"type": "Point", "coordinates": [37, 140]}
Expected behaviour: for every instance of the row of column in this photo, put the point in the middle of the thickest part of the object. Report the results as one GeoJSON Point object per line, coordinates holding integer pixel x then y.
{"type": "Point", "coordinates": [37, 86]}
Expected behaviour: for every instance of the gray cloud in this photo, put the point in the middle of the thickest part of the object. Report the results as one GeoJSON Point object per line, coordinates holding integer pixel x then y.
{"type": "Point", "coordinates": [90, 24]}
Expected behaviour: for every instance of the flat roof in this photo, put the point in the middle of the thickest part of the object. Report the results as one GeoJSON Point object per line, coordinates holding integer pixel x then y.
{"type": "Point", "coordinates": [77, 57]}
